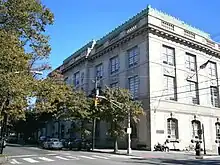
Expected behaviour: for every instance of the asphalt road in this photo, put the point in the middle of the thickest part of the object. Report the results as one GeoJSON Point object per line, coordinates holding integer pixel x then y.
{"type": "Point", "coordinates": [33, 155]}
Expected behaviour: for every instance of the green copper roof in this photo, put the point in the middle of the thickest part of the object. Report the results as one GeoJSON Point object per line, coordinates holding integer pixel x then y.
{"type": "Point", "coordinates": [148, 10]}
{"type": "Point", "coordinates": [177, 21]}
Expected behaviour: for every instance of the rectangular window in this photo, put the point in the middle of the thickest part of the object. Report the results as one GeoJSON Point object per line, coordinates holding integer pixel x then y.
{"type": "Point", "coordinates": [76, 78]}
{"type": "Point", "coordinates": [193, 92]}
{"type": "Point", "coordinates": [99, 71]}
{"type": "Point", "coordinates": [214, 96]}
{"type": "Point", "coordinates": [212, 70]}
{"type": "Point", "coordinates": [114, 62]}
{"type": "Point", "coordinates": [168, 55]}
{"type": "Point", "coordinates": [133, 56]}
{"type": "Point", "coordinates": [190, 62]}
{"type": "Point", "coordinates": [114, 85]}
{"type": "Point", "coordinates": [134, 86]}
{"type": "Point", "coordinates": [169, 88]}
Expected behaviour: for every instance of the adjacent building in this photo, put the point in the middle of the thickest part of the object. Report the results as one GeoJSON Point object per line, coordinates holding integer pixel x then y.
{"type": "Point", "coordinates": [172, 67]}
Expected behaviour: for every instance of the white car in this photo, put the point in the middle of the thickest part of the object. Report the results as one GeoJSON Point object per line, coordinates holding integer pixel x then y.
{"type": "Point", "coordinates": [53, 143]}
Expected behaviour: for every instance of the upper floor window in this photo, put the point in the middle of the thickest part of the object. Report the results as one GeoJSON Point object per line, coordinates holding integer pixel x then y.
{"type": "Point", "coordinates": [214, 96]}
{"type": "Point", "coordinates": [76, 78]}
{"type": "Point", "coordinates": [212, 70]}
{"type": "Point", "coordinates": [99, 71]}
{"type": "Point", "coordinates": [133, 56]}
{"type": "Point", "coordinates": [191, 62]}
{"type": "Point", "coordinates": [169, 88]}
{"type": "Point", "coordinates": [114, 64]}
{"type": "Point", "coordinates": [172, 128]}
{"type": "Point", "coordinates": [168, 55]}
{"type": "Point", "coordinates": [114, 85]}
{"type": "Point", "coordinates": [82, 77]}
{"type": "Point", "coordinates": [193, 92]}
{"type": "Point", "coordinates": [134, 86]}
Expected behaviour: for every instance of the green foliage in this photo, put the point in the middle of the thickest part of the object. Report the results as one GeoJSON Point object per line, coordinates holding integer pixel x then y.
{"type": "Point", "coordinates": [115, 109]}
{"type": "Point", "coordinates": [24, 47]}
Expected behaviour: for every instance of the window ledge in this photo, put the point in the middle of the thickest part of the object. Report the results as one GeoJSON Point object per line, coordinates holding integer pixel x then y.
{"type": "Point", "coordinates": [172, 140]}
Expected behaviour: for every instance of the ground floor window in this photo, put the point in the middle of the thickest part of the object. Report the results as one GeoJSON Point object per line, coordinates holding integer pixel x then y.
{"type": "Point", "coordinates": [217, 128]}
{"type": "Point", "coordinates": [172, 128]}
{"type": "Point", "coordinates": [196, 127]}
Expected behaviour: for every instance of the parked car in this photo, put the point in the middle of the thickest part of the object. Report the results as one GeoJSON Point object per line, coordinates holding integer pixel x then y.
{"type": "Point", "coordinates": [79, 144]}
{"type": "Point", "coordinates": [53, 143]}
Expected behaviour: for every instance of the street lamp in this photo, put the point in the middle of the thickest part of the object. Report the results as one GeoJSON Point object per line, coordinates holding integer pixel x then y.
{"type": "Point", "coordinates": [129, 121]}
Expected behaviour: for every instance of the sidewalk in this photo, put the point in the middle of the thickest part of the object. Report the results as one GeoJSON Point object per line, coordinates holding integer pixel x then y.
{"type": "Point", "coordinates": [153, 154]}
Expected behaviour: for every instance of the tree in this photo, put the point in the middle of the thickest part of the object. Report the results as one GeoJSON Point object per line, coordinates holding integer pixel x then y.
{"type": "Point", "coordinates": [23, 45]}
{"type": "Point", "coordinates": [115, 109]}
{"type": "Point", "coordinates": [56, 97]}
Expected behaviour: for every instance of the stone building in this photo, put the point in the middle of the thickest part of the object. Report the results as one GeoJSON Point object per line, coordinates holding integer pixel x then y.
{"type": "Point", "coordinates": [170, 66]}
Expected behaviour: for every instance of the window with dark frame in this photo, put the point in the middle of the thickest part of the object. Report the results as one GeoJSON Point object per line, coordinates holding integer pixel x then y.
{"type": "Point", "coordinates": [169, 88]}
{"type": "Point", "coordinates": [133, 56]}
{"type": "Point", "coordinates": [172, 128]}
{"type": "Point", "coordinates": [196, 127]}
{"type": "Point", "coordinates": [76, 79]}
{"type": "Point", "coordinates": [133, 86]}
{"type": "Point", "coordinates": [114, 85]}
{"type": "Point", "coordinates": [193, 91]}
{"type": "Point", "coordinates": [190, 62]}
{"type": "Point", "coordinates": [168, 55]}
{"type": "Point", "coordinates": [214, 96]}
{"type": "Point", "coordinates": [217, 128]}
{"type": "Point", "coordinates": [99, 71]}
{"type": "Point", "coordinates": [114, 64]}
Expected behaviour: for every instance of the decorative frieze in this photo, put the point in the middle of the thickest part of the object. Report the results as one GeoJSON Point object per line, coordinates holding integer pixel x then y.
{"type": "Point", "coordinates": [167, 25]}
{"type": "Point", "coordinates": [189, 34]}
{"type": "Point", "coordinates": [131, 29]}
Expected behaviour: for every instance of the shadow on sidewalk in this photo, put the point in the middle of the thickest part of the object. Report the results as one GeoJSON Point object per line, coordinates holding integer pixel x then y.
{"type": "Point", "coordinates": [172, 161]}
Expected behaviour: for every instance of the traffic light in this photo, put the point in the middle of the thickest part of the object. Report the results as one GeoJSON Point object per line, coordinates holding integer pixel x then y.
{"type": "Point", "coordinates": [96, 101]}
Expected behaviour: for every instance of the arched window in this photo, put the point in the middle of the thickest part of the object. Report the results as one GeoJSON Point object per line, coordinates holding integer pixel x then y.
{"type": "Point", "coordinates": [196, 127]}
{"type": "Point", "coordinates": [217, 128]}
{"type": "Point", "coordinates": [172, 128]}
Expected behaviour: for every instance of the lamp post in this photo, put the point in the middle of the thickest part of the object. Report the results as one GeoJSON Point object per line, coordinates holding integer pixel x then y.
{"type": "Point", "coordinates": [113, 102]}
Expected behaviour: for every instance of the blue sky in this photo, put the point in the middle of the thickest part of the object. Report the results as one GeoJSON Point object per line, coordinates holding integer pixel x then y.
{"type": "Point", "coordinates": [79, 21]}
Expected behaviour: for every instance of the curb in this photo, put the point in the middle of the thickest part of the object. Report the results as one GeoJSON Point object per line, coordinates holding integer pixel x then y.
{"type": "Point", "coordinates": [111, 152]}
{"type": "Point", "coordinates": [207, 157]}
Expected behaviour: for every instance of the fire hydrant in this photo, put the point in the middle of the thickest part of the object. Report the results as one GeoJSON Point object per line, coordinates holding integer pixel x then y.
{"type": "Point", "coordinates": [198, 149]}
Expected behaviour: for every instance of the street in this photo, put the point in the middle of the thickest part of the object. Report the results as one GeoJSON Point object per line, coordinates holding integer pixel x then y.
{"type": "Point", "coordinates": [33, 155]}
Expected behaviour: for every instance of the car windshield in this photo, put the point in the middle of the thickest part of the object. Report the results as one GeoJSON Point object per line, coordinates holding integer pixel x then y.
{"type": "Point", "coordinates": [54, 140]}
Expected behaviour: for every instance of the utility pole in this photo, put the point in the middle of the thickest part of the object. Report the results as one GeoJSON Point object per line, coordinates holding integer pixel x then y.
{"type": "Point", "coordinates": [129, 133]}
{"type": "Point", "coordinates": [203, 133]}
{"type": "Point", "coordinates": [94, 119]}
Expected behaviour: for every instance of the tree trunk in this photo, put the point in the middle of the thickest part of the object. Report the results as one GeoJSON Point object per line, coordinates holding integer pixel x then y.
{"type": "Point", "coordinates": [115, 144]}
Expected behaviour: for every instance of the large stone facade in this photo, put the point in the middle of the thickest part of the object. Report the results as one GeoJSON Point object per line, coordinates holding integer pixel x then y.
{"type": "Point", "coordinates": [168, 65]}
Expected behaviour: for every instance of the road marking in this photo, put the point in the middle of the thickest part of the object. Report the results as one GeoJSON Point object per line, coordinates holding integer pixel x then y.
{"type": "Point", "coordinates": [100, 157]}
{"type": "Point", "coordinates": [87, 157]}
{"type": "Point", "coordinates": [13, 161]}
{"type": "Point", "coordinates": [20, 156]}
{"type": "Point", "coordinates": [62, 158]}
{"type": "Point", "coordinates": [72, 157]}
{"type": "Point", "coordinates": [51, 154]}
{"type": "Point", "coordinates": [45, 159]}
{"type": "Point", "coordinates": [30, 160]}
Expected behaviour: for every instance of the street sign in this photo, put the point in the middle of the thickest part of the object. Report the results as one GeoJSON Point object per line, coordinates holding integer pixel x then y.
{"type": "Point", "coordinates": [128, 130]}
